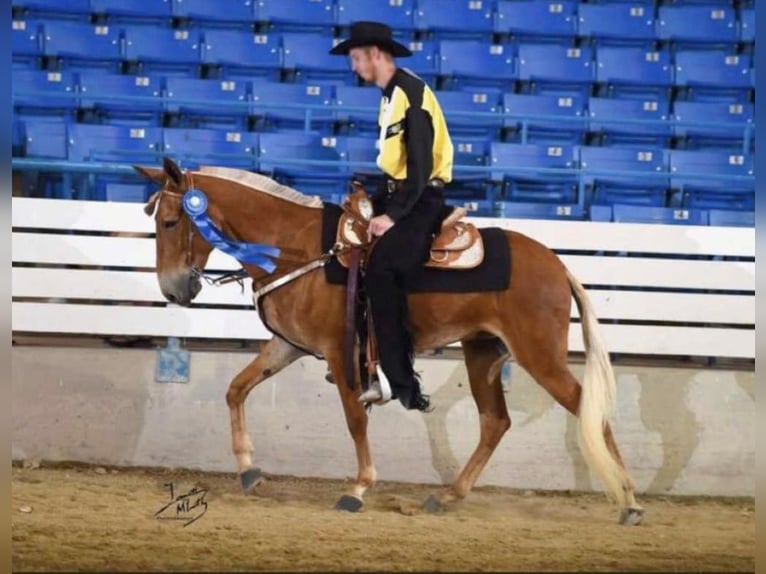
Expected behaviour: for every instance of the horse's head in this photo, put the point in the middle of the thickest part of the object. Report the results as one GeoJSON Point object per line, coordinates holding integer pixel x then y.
{"type": "Point", "coordinates": [181, 252]}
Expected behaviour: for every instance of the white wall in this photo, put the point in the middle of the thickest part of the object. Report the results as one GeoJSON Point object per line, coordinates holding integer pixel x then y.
{"type": "Point", "coordinates": [680, 431]}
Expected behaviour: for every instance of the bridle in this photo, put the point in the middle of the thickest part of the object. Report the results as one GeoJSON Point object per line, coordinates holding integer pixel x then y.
{"type": "Point", "coordinates": [222, 278]}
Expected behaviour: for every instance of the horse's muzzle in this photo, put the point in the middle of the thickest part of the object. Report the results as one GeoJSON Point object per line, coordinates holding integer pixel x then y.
{"type": "Point", "coordinates": [180, 288]}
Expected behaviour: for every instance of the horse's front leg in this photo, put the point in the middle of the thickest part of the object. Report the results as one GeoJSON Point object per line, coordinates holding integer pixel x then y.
{"type": "Point", "coordinates": [274, 356]}
{"type": "Point", "coordinates": [356, 418]}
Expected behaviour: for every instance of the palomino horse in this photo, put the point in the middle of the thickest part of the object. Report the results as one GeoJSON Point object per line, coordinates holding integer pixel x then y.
{"type": "Point", "coordinates": [530, 319]}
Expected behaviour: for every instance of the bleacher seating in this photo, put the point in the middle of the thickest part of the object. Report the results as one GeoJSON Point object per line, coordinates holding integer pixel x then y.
{"type": "Point", "coordinates": [310, 105]}
{"type": "Point", "coordinates": [286, 15]}
{"type": "Point", "coordinates": [307, 59]}
{"type": "Point", "coordinates": [708, 24]}
{"type": "Point", "coordinates": [472, 63]}
{"type": "Point", "coordinates": [597, 82]}
{"type": "Point", "coordinates": [147, 10]}
{"type": "Point", "coordinates": [188, 102]}
{"type": "Point", "coordinates": [634, 71]}
{"type": "Point", "coordinates": [454, 18]}
{"type": "Point", "coordinates": [399, 14]}
{"type": "Point", "coordinates": [80, 45]}
{"type": "Point", "coordinates": [525, 117]}
{"type": "Point", "coordinates": [237, 13]}
{"type": "Point", "coordinates": [120, 98]}
{"type": "Point", "coordinates": [617, 22]}
{"type": "Point", "coordinates": [630, 121]}
{"type": "Point", "coordinates": [556, 68]}
{"type": "Point", "coordinates": [555, 20]}
{"type": "Point", "coordinates": [239, 54]}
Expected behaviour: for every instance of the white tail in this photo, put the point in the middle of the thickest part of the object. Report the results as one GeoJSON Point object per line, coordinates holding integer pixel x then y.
{"type": "Point", "coordinates": [597, 400]}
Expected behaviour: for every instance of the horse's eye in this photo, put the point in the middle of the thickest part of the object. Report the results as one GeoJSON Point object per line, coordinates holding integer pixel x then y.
{"type": "Point", "coordinates": [170, 224]}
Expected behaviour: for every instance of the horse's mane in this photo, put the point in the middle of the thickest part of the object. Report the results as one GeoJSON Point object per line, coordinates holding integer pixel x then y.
{"type": "Point", "coordinates": [264, 184]}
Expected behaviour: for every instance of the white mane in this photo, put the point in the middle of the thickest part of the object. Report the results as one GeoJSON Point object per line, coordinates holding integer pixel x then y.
{"type": "Point", "coordinates": [264, 184]}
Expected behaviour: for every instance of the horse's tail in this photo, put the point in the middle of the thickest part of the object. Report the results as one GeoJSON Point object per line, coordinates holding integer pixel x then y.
{"type": "Point", "coordinates": [597, 400]}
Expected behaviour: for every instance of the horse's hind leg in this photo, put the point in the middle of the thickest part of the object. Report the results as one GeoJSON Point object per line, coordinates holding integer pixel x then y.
{"type": "Point", "coordinates": [537, 355]}
{"type": "Point", "coordinates": [482, 357]}
{"type": "Point", "coordinates": [273, 357]}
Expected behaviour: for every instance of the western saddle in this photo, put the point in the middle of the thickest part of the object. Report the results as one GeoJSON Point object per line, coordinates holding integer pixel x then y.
{"type": "Point", "coordinates": [457, 246]}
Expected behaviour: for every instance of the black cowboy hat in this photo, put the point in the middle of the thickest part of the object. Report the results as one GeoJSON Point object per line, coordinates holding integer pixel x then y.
{"type": "Point", "coordinates": [371, 34]}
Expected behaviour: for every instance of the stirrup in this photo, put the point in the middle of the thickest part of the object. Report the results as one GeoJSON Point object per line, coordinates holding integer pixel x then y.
{"type": "Point", "coordinates": [379, 392]}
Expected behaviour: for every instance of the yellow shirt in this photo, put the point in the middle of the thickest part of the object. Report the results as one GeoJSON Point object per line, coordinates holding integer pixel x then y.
{"type": "Point", "coordinates": [415, 145]}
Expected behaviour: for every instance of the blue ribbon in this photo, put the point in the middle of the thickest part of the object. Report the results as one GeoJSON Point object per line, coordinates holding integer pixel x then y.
{"type": "Point", "coordinates": [195, 205]}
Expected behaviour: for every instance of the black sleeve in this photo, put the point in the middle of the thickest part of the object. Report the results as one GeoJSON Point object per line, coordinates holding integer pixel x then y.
{"type": "Point", "coordinates": [418, 137]}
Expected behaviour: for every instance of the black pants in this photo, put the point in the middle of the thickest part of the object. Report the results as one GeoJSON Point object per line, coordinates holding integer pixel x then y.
{"type": "Point", "coordinates": [402, 250]}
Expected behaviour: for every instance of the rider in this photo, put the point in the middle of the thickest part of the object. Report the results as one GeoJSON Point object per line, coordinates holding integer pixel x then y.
{"type": "Point", "coordinates": [416, 157]}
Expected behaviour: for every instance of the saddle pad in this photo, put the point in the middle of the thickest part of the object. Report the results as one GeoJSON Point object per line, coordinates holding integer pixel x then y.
{"type": "Point", "coordinates": [494, 273]}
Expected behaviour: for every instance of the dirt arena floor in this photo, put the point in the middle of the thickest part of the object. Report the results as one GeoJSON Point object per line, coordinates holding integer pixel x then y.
{"type": "Point", "coordinates": [75, 517]}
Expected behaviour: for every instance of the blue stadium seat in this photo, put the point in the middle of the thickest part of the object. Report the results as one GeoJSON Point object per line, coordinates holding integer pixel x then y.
{"type": "Point", "coordinates": [360, 154]}
{"type": "Point", "coordinates": [472, 112]}
{"type": "Point", "coordinates": [708, 24]}
{"type": "Point", "coordinates": [712, 74]}
{"type": "Point", "coordinates": [240, 54]}
{"type": "Point", "coordinates": [616, 22]}
{"type": "Point", "coordinates": [307, 59]}
{"type": "Point", "coordinates": [146, 10]}
{"type": "Point", "coordinates": [54, 8]}
{"type": "Point", "coordinates": [551, 67]}
{"type": "Point", "coordinates": [291, 15]}
{"type": "Point", "coordinates": [198, 103]}
{"type": "Point", "coordinates": [79, 45]}
{"type": "Point", "coordinates": [468, 181]}
{"type": "Point", "coordinates": [530, 210]}
{"type": "Point", "coordinates": [635, 70]}
{"type": "Point", "coordinates": [399, 15]}
{"type": "Point", "coordinates": [301, 97]}
{"type": "Point", "coordinates": [536, 173]}
{"type": "Point", "coordinates": [154, 49]}
{"type": "Point", "coordinates": [121, 144]}
{"type": "Point", "coordinates": [476, 64]}
{"type": "Point", "coordinates": [630, 121]}
{"type": "Point", "coordinates": [738, 115]}
{"type": "Point", "coordinates": [44, 139]}
{"type": "Point", "coordinates": [567, 126]}
{"type": "Point", "coordinates": [747, 25]}
{"type": "Point", "coordinates": [281, 155]}
{"type": "Point", "coordinates": [118, 98]}
{"type": "Point", "coordinates": [538, 19]}
{"type": "Point", "coordinates": [713, 179]}
{"type": "Point", "coordinates": [627, 213]}
{"type": "Point", "coordinates": [455, 18]}
{"type": "Point", "coordinates": [282, 152]}
{"type": "Point", "coordinates": [239, 12]}
{"type": "Point", "coordinates": [731, 218]}
{"type": "Point", "coordinates": [196, 147]}
{"type": "Point", "coordinates": [357, 108]}
{"type": "Point", "coordinates": [43, 93]}
{"type": "Point", "coordinates": [625, 175]}
{"type": "Point", "coordinates": [26, 43]}
{"type": "Point", "coordinates": [424, 60]}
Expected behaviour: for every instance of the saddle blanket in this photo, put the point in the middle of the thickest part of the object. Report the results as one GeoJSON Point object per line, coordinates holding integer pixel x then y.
{"type": "Point", "coordinates": [493, 274]}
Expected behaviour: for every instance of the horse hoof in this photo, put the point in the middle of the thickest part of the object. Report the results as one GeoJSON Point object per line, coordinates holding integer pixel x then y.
{"type": "Point", "coordinates": [631, 516]}
{"type": "Point", "coordinates": [249, 479]}
{"type": "Point", "coordinates": [433, 505]}
{"type": "Point", "coordinates": [349, 503]}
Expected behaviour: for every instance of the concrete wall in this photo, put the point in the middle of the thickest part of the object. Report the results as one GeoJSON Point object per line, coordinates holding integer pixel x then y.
{"type": "Point", "coordinates": [680, 431]}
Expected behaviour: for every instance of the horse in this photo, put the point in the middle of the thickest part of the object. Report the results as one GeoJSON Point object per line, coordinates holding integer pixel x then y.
{"type": "Point", "coordinates": [529, 320]}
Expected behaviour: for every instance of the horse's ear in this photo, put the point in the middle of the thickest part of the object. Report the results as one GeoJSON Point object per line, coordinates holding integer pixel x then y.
{"type": "Point", "coordinates": [153, 173]}
{"type": "Point", "coordinates": [173, 171]}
